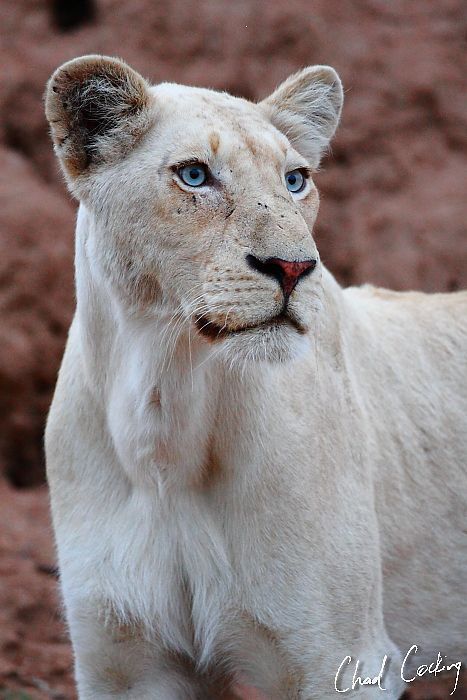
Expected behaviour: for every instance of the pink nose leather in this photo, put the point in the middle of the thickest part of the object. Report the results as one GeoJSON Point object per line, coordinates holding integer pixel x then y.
{"type": "Point", "coordinates": [291, 272]}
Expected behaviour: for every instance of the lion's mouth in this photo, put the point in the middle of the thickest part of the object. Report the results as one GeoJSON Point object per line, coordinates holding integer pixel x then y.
{"type": "Point", "coordinates": [212, 331]}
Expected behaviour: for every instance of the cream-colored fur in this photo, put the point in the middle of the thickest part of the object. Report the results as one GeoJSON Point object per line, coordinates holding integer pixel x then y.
{"type": "Point", "coordinates": [234, 497]}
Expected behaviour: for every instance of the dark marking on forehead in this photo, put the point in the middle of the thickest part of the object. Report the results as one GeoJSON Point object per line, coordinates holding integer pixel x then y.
{"type": "Point", "coordinates": [214, 141]}
{"type": "Point", "coordinates": [251, 144]}
{"type": "Point", "coordinates": [249, 125]}
{"type": "Point", "coordinates": [260, 148]}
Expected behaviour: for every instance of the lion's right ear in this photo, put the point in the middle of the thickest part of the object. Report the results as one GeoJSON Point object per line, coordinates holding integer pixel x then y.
{"type": "Point", "coordinates": [98, 108]}
{"type": "Point", "coordinates": [306, 108]}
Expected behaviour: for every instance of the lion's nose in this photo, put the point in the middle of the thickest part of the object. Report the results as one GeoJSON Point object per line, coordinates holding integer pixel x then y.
{"type": "Point", "coordinates": [286, 272]}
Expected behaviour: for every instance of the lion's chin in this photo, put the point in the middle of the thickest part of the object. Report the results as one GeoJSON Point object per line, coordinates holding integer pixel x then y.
{"type": "Point", "coordinates": [274, 342]}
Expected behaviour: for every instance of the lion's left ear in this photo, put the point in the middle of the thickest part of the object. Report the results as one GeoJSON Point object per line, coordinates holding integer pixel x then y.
{"type": "Point", "coordinates": [306, 108]}
{"type": "Point", "coordinates": [98, 108]}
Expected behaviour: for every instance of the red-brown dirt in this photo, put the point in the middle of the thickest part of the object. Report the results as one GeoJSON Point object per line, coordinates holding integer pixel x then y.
{"type": "Point", "coordinates": [392, 212]}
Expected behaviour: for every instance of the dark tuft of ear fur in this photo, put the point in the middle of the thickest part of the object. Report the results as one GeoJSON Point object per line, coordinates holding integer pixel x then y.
{"type": "Point", "coordinates": [98, 108]}
{"type": "Point", "coordinates": [306, 108]}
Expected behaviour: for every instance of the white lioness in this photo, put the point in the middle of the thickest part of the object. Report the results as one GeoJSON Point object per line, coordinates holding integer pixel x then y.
{"type": "Point", "coordinates": [257, 477]}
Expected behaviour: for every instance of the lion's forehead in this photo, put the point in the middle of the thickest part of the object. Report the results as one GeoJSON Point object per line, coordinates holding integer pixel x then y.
{"type": "Point", "coordinates": [218, 124]}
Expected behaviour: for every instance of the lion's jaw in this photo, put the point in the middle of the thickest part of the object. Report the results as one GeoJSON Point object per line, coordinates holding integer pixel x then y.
{"type": "Point", "coordinates": [281, 335]}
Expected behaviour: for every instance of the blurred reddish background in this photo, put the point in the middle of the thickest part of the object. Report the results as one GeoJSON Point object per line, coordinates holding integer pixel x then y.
{"type": "Point", "coordinates": [392, 211]}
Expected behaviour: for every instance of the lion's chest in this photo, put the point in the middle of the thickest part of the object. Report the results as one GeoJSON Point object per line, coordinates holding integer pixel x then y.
{"type": "Point", "coordinates": [175, 574]}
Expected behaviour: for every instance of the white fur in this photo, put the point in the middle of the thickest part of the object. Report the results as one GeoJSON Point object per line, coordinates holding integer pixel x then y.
{"type": "Point", "coordinates": [261, 506]}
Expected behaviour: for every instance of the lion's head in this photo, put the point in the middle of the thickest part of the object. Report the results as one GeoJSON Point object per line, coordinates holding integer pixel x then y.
{"type": "Point", "coordinates": [200, 203]}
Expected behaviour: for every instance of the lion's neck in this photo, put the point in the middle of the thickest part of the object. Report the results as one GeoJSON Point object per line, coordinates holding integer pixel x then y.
{"type": "Point", "coordinates": [170, 402]}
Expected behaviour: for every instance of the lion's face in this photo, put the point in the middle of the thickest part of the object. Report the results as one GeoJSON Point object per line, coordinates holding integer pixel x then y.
{"type": "Point", "coordinates": [213, 191]}
{"type": "Point", "coordinates": [203, 207]}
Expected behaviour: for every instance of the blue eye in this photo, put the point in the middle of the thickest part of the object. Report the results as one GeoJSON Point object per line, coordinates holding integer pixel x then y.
{"type": "Point", "coordinates": [295, 181]}
{"type": "Point", "coordinates": [193, 175]}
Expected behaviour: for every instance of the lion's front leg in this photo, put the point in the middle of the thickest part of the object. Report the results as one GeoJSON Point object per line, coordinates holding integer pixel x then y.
{"type": "Point", "coordinates": [115, 661]}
